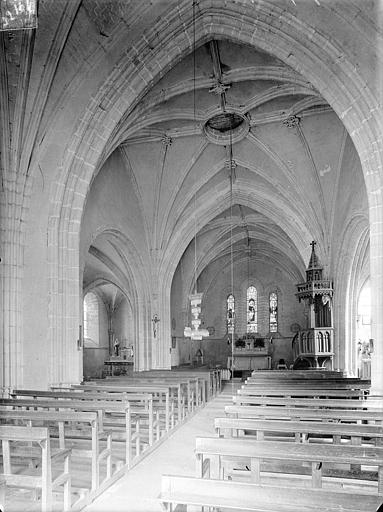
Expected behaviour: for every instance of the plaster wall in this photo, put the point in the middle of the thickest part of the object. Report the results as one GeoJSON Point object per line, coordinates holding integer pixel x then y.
{"type": "Point", "coordinates": [123, 324]}
{"type": "Point", "coordinates": [216, 287]}
{"type": "Point", "coordinates": [94, 356]}
{"type": "Point", "coordinates": [112, 205]}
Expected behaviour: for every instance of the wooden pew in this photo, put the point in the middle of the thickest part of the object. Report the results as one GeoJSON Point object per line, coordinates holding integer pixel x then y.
{"type": "Point", "coordinates": [192, 389]}
{"type": "Point", "coordinates": [230, 495]}
{"type": "Point", "coordinates": [180, 390]}
{"type": "Point", "coordinates": [300, 431]}
{"type": "Point", "coordinates": [143, 403]}
{"type": "Point", "coordinates": [160, 395]}
{"type": "Point", "coordinates": [311, 384]}
{"type": "Point", "coordinates": [210, 377]}
{"type": "Point", "coordinates": [305, 413]}
{"type": "Point", "coordinates": [109, 413]}
{"type": "Point", "coordinates": [298, 374]}
{"type": "Point", "coordinates": [84, 426]}
{"type": "Point", "coordinates": [211, 453]}
{"type": "Point", "coordinates": [278, 378]}
{"type": "Point", "coordinates": [307, 392]}
{"type": "Point", "coordinates": [37, 436]}
{"type": "Point", "coordinates": [242, 398]}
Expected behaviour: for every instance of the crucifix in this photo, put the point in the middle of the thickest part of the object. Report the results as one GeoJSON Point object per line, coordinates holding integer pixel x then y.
{"type": "Point", "coordinates": [313, 244]}
{"type": "Point", "coordinates": [155, 321]}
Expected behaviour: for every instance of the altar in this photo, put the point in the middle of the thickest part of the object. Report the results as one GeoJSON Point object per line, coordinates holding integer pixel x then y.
{"type": "Point", "coordinates": [250, 354]}
{"type": "Point", "coordinates": [249, 361]}
{"type": "Point", "coordinates": [119, 365]}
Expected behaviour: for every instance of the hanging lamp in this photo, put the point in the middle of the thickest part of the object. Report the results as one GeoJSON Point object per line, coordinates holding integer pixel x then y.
{"type": "Point", "coordinates": [231, 175]}
{"type": "Point", "coordinates": [195, 332]}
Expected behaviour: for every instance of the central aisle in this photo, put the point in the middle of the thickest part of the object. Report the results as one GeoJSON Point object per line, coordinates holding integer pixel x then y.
{"type": "Point", "coordinates": [139, 488]}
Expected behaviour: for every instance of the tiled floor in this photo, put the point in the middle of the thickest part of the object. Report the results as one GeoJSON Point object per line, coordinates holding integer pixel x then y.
{"type": "Point", "coordinates": [138, 490]}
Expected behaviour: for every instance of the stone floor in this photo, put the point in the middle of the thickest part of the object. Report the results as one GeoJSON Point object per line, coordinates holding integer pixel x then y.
{"type": "Point", "coordinates": [138, 490]}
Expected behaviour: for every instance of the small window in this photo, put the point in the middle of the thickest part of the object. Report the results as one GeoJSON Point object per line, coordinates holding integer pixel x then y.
{"type": "Point", "coordinates": [252, 309]}
{"type": "Point", "coordinates": [91, 319]}
{"type": "Point", "coordinates": [230, 314]}
{"type": "Point", "coordinates": [273, 312]}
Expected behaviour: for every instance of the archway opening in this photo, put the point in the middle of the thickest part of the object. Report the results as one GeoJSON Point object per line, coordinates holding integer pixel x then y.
{"type": "Point", "coordinates": [108, 327]}
{"type": "Point", "coordinates": [363, 331]}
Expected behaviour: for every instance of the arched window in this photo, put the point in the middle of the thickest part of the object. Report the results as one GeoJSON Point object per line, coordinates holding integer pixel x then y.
{"type": "Point", "coordinates": [230, 313]}
{"type": "Point", "coordinates": [363, 329]}
{"type": "Point", "coordinates": [252, 309]}
{"type": "Point", "coordinates": [273, 312]}
{"type": "Point", "coordinates": [91, 319]}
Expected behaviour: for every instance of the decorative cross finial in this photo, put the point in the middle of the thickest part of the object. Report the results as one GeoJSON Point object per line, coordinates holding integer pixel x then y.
{"type": "Point", "coordinates": [291, 122]}
{"type": "Point", "coordinates": [313, 244]}
{"type": "Point", "coordinates": [166, 140]}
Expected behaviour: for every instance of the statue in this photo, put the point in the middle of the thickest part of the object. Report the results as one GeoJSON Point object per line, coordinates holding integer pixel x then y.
{"type": "Point", "coordinates": [116, 347]}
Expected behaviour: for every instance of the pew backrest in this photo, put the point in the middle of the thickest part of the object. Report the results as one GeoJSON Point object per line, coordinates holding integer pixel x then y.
{"type": "Point", "coordinates": [337, 403]}
{"type": "Point", "coordinates": [254, 411]}
{"type": "Point", "coordinates": [303, 392]}
{"type": "Point", "coordinates": [337, 430]}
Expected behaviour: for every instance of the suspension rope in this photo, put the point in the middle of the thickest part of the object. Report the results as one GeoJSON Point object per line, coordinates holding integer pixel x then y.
{"type": "Point", "coordinates": [232, 261]}
{"type": "Point", "coordinates": [194, 116]}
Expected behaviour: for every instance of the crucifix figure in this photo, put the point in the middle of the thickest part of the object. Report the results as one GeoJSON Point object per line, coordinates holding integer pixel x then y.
{"type": "Point", "coordinates": [155, 321]}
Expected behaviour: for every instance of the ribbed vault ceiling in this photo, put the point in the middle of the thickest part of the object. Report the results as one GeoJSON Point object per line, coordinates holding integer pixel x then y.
{"type": "Point", "coordinates": [286, 161]}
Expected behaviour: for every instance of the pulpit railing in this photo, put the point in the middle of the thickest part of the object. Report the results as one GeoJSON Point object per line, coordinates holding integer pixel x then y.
{"type": "Point", "coordinates": [314, 345]}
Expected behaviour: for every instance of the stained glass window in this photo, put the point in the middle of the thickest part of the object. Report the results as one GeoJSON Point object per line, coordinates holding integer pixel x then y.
{"type": "Point", "coordinates": [252, 309]}
{"type": "Point", "coordinates": [230, 313]}
{"type": "Point", "coordinates": [273, 312]}
{"type": "Point", "coordinates": [18, 14]}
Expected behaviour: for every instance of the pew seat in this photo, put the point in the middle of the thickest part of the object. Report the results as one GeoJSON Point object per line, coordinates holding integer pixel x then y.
{"type": "Point", "coordinates": [217, 456]}
{"type": "Point", "coordinates": [230, 495]}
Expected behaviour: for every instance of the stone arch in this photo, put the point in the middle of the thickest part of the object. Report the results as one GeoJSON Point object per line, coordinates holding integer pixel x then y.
{"type": "Point", "coordinates": [135, 284]}
{"type": "Point", "coordinates": [353, 250]}
{"type": "Point", "coordinates": [266, 26]}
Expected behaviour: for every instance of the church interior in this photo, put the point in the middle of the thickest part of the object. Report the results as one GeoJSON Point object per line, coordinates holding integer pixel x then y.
{"type": "Point", "coordinates": [191, 232]}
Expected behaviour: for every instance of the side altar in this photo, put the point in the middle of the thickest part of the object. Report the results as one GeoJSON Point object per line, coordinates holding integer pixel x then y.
{"type": "Point", "coordinates": [121, 362]}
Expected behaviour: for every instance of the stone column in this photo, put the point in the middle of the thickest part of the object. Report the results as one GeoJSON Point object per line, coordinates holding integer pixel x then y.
{"type": "Point", "coordinates": [376, 272]}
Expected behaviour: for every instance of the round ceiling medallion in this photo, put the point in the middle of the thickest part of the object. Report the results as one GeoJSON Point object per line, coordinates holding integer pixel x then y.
{"type": "Point", "coordinates": [226, 127]}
